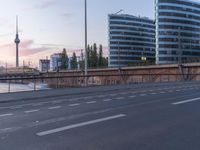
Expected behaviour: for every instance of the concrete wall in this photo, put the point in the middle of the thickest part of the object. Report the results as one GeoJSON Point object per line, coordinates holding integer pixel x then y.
{"type": "Point", "coordinates": [128, 75]}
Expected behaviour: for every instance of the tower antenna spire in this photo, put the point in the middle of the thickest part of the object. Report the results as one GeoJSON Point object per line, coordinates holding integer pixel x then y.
{"type": "Point", "coordinates": [16, 24]}
{"type": "Point", "coordinates": [17, 41]}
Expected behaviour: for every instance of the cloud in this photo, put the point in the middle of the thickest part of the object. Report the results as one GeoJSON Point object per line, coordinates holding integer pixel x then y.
{"type": "Point", "coordinates": [3, 22]}
{"type": "Point", "coordinates": [25, 48]}
{"type": "Point", "coordinates": [43, 4]}
{"type": "Point", "coordinates": [67, 15]}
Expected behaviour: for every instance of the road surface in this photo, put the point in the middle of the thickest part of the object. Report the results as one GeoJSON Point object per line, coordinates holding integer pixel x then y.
{"type": "Point", "coordinates": [161, 117]}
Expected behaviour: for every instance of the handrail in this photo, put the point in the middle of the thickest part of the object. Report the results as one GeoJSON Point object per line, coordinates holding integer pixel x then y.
{"type": "Point", "coordinates": [96, 75]}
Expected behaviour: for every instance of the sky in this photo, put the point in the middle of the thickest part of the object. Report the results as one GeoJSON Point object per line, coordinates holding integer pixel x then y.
{"type": "Point", "coordinates": [48, 26]}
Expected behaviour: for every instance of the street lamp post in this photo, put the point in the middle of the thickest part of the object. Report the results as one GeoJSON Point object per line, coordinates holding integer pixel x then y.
{"type": "Point", "coordinates": [180, 47]}
{"type": "Point", "coordinates": [86, 64]}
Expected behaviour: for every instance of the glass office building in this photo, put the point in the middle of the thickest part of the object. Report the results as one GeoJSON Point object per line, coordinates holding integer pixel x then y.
{"type": "Point", "coordinates": [131, 40]}
{"type": "Point", "coordinates": [177, 31]}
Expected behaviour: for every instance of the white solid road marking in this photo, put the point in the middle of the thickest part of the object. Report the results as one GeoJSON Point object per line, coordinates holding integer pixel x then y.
{"type": "Point", "coordinates": [91, 102]}
{"type": "Point", "coordinates": [31, 111]}
{"type": "Point", "coordinates": [107, 100]}
{"type": "Point", "coordinates": [5, 115]}
{"type": "Point", "coordinates": [72, 105]}
{"type": "Point", "coordinates": [79, 125]}
{"type": "Point", "coordinates": [56, 107]}
{"type": "Point", "coordinates": [186, 101]}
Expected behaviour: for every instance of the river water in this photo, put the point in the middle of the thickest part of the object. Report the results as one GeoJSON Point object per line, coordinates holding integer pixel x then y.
{"type": "Point", "coordinates": [4, 87]}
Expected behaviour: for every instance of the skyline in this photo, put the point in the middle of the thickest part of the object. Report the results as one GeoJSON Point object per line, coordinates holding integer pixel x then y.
{"type": "Point", "coordinates": [47, 26]}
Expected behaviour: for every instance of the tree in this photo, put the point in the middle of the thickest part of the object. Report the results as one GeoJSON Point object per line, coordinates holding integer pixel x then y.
{"type": "Point", "coordinates": [82, 62]}
{"type": "Point", "coordinates": [94, 56]}
{"type": "Point", "coordinates": [89, 56]}
{"type": "Point", "coordinates": [74, 63]}
{"type": "Point", "coordinates": [96, 59]}
{"type": "Point", "coordinates": [100, 60]}
{"type": "Point", "coordinates": [64, 60]}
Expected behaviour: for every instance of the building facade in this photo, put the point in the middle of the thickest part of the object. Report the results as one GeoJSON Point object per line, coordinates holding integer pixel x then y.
{"type": "Point", "coordinates": [177, 31]}
{"type": "Point", "coordinates": [55, 62]}
{"type": "Point", "coordinates": [44, 65]}
{"type": "Point", "coordinates": [131, 40]}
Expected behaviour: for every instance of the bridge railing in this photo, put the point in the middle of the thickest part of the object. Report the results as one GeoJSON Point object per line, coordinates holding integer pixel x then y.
{"type": "Point", "coordinates": [33, 83]}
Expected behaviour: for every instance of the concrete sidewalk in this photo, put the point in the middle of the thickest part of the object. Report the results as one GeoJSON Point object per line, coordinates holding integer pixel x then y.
{"type": "Point", "coordinates": [33, 95]}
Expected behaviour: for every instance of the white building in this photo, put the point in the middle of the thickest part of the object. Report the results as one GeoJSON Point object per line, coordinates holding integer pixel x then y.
{"type": "Point", "coordinates": [44, 65]}
{"type": "Point", "coordinates": [55, 61]}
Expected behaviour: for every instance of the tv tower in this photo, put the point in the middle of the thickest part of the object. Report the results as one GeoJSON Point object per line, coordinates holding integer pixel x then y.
{"type": "Point", "coordinates": [17, 41]}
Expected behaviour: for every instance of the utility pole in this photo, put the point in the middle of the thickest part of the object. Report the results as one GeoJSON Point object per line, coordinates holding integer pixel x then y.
{"type": "Point", "coordinates": [86, 63]}
{"type": "Point", "coordinates": [6, 68]}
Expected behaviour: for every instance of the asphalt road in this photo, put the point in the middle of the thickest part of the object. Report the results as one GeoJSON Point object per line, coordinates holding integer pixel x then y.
{"type": "Point", "coordinates": [161, 117]}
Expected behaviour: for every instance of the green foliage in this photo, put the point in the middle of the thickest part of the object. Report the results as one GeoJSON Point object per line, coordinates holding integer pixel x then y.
{"type": "Point", "coordinates": [74, 63]}
{"type": "Point", "coordinates": [95, 57]}
{"type": "Point", "coordinates": [64, 60]}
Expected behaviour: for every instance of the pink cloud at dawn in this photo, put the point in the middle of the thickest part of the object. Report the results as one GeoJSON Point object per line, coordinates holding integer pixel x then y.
{"type": "Point", "coordinates": [25, 48]}
{"type": "Point", "coordinates": [26, 51]}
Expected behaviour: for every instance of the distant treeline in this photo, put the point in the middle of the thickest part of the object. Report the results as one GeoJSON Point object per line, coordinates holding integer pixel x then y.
{"type": "Point", "coordinates": [94, 55]}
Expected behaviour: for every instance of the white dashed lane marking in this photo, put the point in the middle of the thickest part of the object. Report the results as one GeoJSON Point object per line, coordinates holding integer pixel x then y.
{"type": "Point", "coordinates": [91, 102]}
{"type": "Point", "coordinates": [120, 98]}
{"type": "Point", "coordinates": [5, 115]}
{"type": "Point", "coordinates": [16, 107]}
{"type": "Point", "coordinates": [31, 111]}
{"type": "Point", "coordinates": [56, 107]}
{"type": "Point", "coordinates": [132, 96]}
{"type": "Point", "coordinates": [56, 102]}
{"type": "Point", "coordinates": [113, 94]}
{"type": "Point", "coordinates": [73, 105]}
{"type": "Point", "coordinates": [38, 104]}
{"type": "Point", "coordinates": [107, 100]}
{"type": "Point", "coordinates": [153, 93]}
{"type": "Point", "coordinates": [100, 96]}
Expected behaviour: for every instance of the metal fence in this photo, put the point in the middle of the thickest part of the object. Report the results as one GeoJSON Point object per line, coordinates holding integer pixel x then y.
{"type": "Point", "coordinates": [34, 83]}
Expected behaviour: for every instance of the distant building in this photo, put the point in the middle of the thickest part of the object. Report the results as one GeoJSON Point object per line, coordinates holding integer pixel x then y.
{"type": "Point", "coordinates": [78, 62]}
{"type": "Point", "coordinates": [177, 31]}
{"type": "Point", "coordinates": [131, 40]}
{"type": "Point", "coordinates": [55, 62]}
{"type": "Point", "coordinates": [44, 65]}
